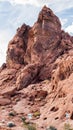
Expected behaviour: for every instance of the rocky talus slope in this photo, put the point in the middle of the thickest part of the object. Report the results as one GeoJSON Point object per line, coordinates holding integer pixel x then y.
{"type": "Point", "coordinates": [36, 82]}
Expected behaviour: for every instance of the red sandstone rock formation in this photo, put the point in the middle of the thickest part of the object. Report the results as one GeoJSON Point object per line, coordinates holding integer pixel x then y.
{"type": "Point", "coordinates": [40, 65]}
{"type": "Point", "coordinates": [42, 45]}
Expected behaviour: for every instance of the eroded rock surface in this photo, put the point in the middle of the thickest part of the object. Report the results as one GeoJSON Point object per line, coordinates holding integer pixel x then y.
{"type": "Point", "coordinates": [42, 44]}
{"type": "Point", "coordinates": [37, 78]}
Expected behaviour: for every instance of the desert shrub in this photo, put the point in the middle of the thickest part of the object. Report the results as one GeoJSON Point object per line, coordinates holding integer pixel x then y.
{"type": "Point", "coordinates": [28, 125]}
{"type": "Point", "coordinates": [37, 113]}
{"type": "Point", "coordinates": [67, 126]}
{"type": "Point", "coordinates": [51, 128]}
{"type": "Point", "coordinates": [12, 113]}
{"type": "Point", "coordinates": [31, 127]}
{"type": "Point", "coordinates": [23, 119]}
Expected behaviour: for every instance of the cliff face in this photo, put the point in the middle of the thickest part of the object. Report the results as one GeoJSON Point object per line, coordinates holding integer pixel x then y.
{"type": "Point", "coordinates": [41, 57]}
{"type": "Point", "coordinates": [30, 45]}
{"type": "Point", "coordinates": [42, 44]}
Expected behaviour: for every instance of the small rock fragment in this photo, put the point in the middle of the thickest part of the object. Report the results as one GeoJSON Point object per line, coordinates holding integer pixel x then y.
{"type": "Point", "coordinates": [10, 124]}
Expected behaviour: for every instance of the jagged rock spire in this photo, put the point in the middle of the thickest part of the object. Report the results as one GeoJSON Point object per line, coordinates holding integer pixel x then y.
{"type": "Point", "coordinates": [47, 15]}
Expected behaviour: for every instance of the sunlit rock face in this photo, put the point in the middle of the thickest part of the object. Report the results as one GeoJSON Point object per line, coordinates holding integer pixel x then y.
{"type": "Point", "coordinates": [41, 44]}
{"type": "Point", "coordinates": [38, 73]}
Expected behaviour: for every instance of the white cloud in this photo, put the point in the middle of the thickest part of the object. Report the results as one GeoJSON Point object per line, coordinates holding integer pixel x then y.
{"type": "Point", "coordinates": [31, 2]}
{"type": "Point", "coordinates": [56, 5]}
{"type": "Point", "coordinates": [61, 5]}
{"type": "Point", "coordinates": [63, 21]}
{"type": "Point", "coordinates": [70, 28]}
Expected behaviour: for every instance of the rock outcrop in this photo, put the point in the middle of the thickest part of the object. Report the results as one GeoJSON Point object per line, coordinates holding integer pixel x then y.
{"type": "Point", "coordinates": [17, 48]}
{"type": "Point", "coordinates": [42, 44]}
{"type": "Point", "coordinates": [38, 73]}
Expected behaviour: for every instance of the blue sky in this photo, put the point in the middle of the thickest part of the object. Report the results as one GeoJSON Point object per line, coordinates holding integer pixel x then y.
{"type": "Point", "coordinates": [13, 13]}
